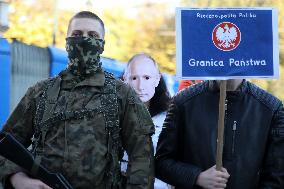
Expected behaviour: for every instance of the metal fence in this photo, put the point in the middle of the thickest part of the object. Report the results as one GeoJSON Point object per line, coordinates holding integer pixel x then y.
{"type": "Point", "coordinates": [29, 64]}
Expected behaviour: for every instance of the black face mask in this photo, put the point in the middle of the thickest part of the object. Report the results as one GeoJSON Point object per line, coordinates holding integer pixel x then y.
{"type": "Point", "coordinates": [84, 54]}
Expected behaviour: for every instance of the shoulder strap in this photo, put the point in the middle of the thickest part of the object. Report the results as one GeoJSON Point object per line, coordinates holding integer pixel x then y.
{"type": "Point", "coordinates": [52, 85]}
{"type": "Point", "coordinates": [114, 148]}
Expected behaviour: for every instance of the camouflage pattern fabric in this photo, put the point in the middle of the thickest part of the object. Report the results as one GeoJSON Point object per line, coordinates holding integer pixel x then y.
{"type": "Point", "coordinates": [84, 54]}
{"type": "Point", "coordinates": [77, 147]}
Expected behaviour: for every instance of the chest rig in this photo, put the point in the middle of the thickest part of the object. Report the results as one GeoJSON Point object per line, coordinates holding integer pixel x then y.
{"type": "Point", "coordinates": [108, 108]}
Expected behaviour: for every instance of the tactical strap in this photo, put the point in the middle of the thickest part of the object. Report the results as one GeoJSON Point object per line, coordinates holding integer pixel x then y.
{"type": "Point", "coordinates": [77, 114]}
{"type": "Point", "coordinates": [113, 130]}
{"type": "Point", "coordinates": [37, 150]}
{"type": "Point", "coordinates": [41, 106]}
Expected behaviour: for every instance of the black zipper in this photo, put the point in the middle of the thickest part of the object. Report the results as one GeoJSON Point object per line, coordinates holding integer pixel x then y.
{"type": "Point", "coordinates": [234, 129]}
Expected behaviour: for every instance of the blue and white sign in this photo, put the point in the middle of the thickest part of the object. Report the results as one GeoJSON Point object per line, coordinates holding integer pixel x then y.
{"type": "Point", "coordinates": [227, 43]}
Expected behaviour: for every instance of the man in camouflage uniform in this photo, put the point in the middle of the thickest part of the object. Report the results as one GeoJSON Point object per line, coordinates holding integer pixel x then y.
{"type": "Point", "coordinates": [79, 121]}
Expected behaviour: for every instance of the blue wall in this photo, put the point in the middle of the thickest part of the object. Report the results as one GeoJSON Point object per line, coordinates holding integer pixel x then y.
{"type": "Point", "coordinates": [58, 60]}
{"type": "Point", "coordinates": [5, 70]}
{"type": "Point", "coordinates": [113, 66]}
{"type": "Point", "coordinates": [172, 83]}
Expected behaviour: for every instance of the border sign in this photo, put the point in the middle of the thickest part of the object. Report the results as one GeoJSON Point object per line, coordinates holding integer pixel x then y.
{"type": "Point", "coordinates": [227, 43]}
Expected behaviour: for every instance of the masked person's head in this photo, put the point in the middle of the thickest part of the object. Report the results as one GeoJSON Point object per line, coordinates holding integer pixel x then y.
{"type": "Point", "coordinates": [85, 43]}
{"type": "Point", "coordinates": [143, 75]}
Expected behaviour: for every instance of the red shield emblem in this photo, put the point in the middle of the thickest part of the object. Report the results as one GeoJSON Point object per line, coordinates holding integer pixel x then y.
{"type": "Point", "coordinates": [226, 36]}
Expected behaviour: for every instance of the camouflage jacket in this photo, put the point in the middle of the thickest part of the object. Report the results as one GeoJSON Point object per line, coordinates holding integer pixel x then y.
{"type": "Point", "coordinates": [77, 147]}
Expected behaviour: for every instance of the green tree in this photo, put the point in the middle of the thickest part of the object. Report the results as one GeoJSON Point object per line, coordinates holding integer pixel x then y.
{"type": "Point", "coordinates": [34, 23]}
{"type": "Point", "coordinates": [145, 30]}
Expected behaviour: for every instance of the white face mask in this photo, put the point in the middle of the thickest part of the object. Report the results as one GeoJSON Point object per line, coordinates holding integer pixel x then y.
{"type": "Point", "coordinates": [143, 76]}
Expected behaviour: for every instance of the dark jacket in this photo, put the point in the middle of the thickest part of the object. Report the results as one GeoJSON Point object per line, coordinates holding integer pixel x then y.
{"type": "Point", "coordinates": [254, 137]}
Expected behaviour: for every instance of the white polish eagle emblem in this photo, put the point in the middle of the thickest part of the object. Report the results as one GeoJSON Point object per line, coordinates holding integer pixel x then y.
{"type": "Point", "coordinates": [226, 36]}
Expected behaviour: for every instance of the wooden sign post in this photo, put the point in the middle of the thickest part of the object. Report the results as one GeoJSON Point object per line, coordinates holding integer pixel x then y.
{"type": "Point", "coordinates": [220, 138]}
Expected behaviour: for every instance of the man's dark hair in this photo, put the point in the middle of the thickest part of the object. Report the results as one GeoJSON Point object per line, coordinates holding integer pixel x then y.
{"type": "Point", "coordinates": [87, 14]}
{"type": "Point", "coordinates": [161, 99]}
